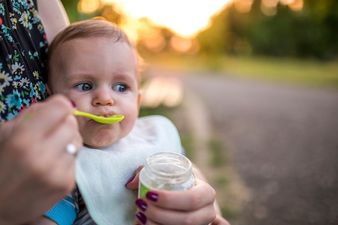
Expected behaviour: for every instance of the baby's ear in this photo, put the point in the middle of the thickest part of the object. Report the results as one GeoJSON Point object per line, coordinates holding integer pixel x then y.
{"type": "Point", "coordinates": [139, 99]}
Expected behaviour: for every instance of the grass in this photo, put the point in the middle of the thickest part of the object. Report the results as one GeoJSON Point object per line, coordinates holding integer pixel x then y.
{"type": "Point", "coordinates": [217, 157]}
{"type": "Point", "coordinates": [283, 70]}
{"type": "Point", "coordinates": [229, 213]}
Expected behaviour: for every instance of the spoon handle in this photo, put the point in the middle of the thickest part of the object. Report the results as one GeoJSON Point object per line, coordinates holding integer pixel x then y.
{"type": "Point", "coordinates": [100, 119]}
{"type": "Point", "coordinates": [79, 113]}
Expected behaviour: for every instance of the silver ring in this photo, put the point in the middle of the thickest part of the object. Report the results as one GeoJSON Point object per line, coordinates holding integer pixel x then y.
{"type": "Point", "coordinates": [71, 149]}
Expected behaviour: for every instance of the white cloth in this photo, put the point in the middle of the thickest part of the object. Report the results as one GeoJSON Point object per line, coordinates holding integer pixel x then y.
{"type": "Point", "coordinates": [101, 175]}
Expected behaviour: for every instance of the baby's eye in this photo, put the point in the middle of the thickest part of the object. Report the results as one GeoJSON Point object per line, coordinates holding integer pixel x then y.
{"type": "Point", "coordinates": [83, 86]}
{"type": "Point", "coordinates": [120, 87]}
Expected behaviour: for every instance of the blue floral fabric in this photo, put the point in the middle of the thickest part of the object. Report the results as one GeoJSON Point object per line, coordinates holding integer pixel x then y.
{"type": "Point", "coordinates": [23, 55]}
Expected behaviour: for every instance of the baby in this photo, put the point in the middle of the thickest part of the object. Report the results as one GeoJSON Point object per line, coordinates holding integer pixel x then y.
{"type": "Point", "coordinates": [94, 64]}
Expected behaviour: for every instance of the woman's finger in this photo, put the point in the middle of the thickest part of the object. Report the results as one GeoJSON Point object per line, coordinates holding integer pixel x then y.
{"type": "Point", "coordinates": [64, 134]}
{"type": "Point", "coordinates": [44, 117]}
{"type": "Point", "coordinates": [202, 194]}
{"type": "Point", "coordinates": [132, 183]}
{"type": "Point", "coordinates": [220, 221]}
{"type": "Point", "coordinates": [159, 215]}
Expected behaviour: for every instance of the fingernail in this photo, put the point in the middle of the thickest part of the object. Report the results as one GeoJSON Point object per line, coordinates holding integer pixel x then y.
{"type": "Point", "coordinates": [152, 196]}
{"type": "Point", "coordinates": [141, 217]}
{"type": "Point", "coordinates": [130, 179]}
{"type": "Point", "coordinates": [134, 175]}
{"type": "Point", "coordinates": [141, 204]}
{"type": "Point", "coordinates": [73, 103]}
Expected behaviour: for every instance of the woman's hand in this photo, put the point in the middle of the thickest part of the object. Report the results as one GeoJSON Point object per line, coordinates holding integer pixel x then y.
{"type": "Point", "coordinates": [35, 169]}
{"type": "Point", "coordinates": [194, 206]}
{"type": "Point", "coordinates": [220, 221]}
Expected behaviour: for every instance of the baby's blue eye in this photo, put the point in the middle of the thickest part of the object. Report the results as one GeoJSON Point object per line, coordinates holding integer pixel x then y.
{"type": "Point", "coordinates": [83, 86]}
{"type": "Point", "coordinates": [119, 87]}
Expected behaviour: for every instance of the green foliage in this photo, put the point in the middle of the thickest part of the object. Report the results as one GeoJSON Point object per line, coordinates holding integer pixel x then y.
{"type": "Point", "coordinates": [106, 11]}
{"type": "Point", "coordinates": [71, 9]}
{"type": "Point", "coordinates": [215, 39]}
{"type": "Point", "coordinates": [311, 32]}
{"type": "Point", "coordinates": [188, 144]}
{"type": "Point", "coordinates": [229, 213]}
{"type": "Point", "coordinates": [161, 110]}
{"type": "Point", "coordinates": [217, 150]}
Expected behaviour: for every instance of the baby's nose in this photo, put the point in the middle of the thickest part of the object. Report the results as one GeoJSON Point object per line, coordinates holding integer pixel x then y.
{"type": "Point", "coordinates": [103, 97]}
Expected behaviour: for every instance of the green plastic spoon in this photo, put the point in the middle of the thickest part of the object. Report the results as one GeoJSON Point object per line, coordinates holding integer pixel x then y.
{"type": "Point", "coordinates": [100, 119]}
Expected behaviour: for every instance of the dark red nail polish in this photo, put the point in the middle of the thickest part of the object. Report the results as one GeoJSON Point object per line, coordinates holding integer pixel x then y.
{"type": "Point", "coordinates": [141, 204]}
{"type": "Point", "coordinates": [141, 217]}
{"type": "Point", "coordinates": [152, 196]}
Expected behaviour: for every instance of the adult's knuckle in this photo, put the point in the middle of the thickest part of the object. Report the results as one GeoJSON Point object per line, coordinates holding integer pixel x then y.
{"type": "Point", "coordinates": [60, 102]}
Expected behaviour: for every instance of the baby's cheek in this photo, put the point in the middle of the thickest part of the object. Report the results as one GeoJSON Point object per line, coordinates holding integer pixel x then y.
{"type": "Point", "coordinates": [126, 127]}
{"type": "Point", "coordinates": [81, 122]}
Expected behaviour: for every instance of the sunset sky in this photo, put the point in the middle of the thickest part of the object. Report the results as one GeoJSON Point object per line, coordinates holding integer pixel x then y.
{"type": "Point", "coordinates": [185, 17]}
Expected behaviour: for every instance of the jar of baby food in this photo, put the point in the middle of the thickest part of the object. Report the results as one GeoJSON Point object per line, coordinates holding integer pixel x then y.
{"type": "Point", "coordinates": [166, 171]}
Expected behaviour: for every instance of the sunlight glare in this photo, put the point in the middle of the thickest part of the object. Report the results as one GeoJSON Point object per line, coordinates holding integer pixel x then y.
{"type": "Point", "coordinates": [243, 6]}
{"type": "Point", "coordinates": [88, 6]}
{"type": "Point", "coordinates": [186, 18]}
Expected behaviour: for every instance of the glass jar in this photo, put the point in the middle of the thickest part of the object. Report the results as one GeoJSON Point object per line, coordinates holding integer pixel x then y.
{"type": "Point", "coordinates": [166, 171]}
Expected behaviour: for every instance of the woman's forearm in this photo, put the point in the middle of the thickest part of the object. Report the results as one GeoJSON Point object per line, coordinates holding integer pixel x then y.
{"type": "Point", "coordinates": [53, 17]}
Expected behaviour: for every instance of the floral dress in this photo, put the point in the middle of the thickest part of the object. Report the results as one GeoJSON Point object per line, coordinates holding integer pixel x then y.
{"type": "Point", "coordinates": [23, 55]}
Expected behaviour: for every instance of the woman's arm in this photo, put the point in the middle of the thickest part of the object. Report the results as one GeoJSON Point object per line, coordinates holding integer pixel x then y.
{"type": "Point", "coordinates": [53, 17]}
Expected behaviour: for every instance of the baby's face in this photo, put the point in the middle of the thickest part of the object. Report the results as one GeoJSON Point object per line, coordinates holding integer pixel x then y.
{"type": "Point", "coordinates": [99, 76]}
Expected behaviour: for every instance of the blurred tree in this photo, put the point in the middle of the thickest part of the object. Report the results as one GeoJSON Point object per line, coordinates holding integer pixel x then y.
{"type": "Point", "coordinates": [216, 39]}
{"type": "Point", "coordinates": [71, 9]}
{"type": "Point", "coordinates": [107, 11]}
{"type": "Point", "coordinates": [311, 32]}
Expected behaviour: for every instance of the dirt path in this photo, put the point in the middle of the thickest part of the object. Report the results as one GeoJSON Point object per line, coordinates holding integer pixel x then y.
{"type": "Point", "coordinates": [284, 144]}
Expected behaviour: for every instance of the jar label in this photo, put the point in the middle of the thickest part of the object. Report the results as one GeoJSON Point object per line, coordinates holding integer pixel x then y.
{"type": "Point", "coordinates": [142, 190]}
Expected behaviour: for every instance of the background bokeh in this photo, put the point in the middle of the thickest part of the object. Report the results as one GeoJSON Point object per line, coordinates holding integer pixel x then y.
{"type": "Point", "coordinates": [252, 87]}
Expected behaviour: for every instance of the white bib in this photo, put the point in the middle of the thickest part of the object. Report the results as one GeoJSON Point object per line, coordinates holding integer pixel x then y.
{"type": "Point", "coordinates": [101, 175]}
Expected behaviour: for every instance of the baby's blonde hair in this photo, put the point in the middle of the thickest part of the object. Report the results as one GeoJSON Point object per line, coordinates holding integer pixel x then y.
{"type": "Point", "coordinates": [89, 29]}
